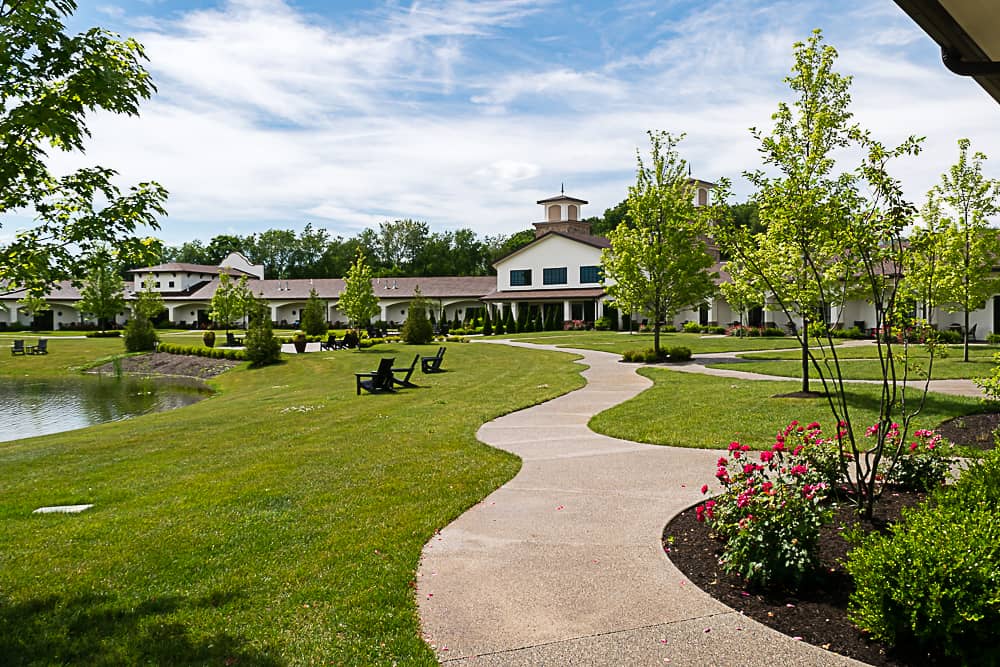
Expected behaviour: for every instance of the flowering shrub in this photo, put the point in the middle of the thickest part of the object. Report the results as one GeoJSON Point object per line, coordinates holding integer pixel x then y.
{"type": "Point", "coordinates": [923, 464]}
{"type": "Point", "coordinates": [771, 511]}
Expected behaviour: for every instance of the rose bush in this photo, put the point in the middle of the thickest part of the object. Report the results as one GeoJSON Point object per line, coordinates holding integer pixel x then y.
{"type": "Point", "coordinates": [771, 510]}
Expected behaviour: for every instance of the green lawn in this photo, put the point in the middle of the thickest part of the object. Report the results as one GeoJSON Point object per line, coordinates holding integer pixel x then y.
{"type": "Point", "coordinates": [861, 363]}
{"type": "Point", "coordinates": [277, 522]}
{"type": "Point", "coordinates": [613, 341]}
{"type": "Point", "coordinates": [688, 410]}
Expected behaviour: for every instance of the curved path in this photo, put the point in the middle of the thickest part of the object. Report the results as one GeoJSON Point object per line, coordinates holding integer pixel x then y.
{"type": "Point", "coordinates": [563, 564]}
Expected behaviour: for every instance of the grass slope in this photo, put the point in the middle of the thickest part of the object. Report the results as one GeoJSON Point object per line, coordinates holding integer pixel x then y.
{"type": "Point", "coordinates": [688, 410]}
{"type": "Point", "coordinates": [278, 522]}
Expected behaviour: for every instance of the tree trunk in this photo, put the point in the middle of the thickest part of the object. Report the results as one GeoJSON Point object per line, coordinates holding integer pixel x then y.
{"type": "Point", "coordinates": [805, 354]}
{"type": "Point", "coordinates": [965, 337]}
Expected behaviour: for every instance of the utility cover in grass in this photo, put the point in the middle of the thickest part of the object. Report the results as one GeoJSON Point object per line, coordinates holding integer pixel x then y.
{"type": "Point", "coordinates": [63, 509]}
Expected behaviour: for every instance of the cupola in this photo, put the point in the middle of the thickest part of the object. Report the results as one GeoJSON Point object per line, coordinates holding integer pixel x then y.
{"type": "Point", "coordinates": [562, 214]}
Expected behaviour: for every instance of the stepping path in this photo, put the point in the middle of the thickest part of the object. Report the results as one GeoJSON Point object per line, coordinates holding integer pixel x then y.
{"type": "Point", "coordinates": [564, 565]}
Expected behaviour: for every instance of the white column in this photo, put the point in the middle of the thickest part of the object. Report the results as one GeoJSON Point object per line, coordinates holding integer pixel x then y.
{"type": "Point", "coordinates": [513, 309]}
{"type": "Point", "coordinates": [274, 312]}
{"type": "Point", "coordinates": [383, 312]}
{"type": "Point", "coordinates": [567, 311]}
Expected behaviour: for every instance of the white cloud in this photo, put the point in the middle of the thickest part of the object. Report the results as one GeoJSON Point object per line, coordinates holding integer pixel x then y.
{"type": "Point", "coordinates": [270, 117]}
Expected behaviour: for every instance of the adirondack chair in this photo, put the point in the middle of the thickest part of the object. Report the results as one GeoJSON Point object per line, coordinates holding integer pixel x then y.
{"type": "Point", "coordinates": [432, 364]}
{"type": "Point", "coordinates": [232, 340]}
{"type": "Point", "coordinates": [17, 347]}
{"type": "Point", "coordinates": [405, 381]}
{"type": "Point", "coordinates": [378, 381]}
{"type": "Point", "coordinates": [332, 343]}
{"type": "Point", "coordinates": [42, 347]}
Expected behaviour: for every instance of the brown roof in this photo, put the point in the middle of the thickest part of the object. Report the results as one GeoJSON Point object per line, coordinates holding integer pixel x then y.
{"type": "Point", "coordinates": [433, 287]}
{"type": "Point", "coordinates": [562, 197]}
{"type": "Point", "coordinates": [189, 268]}
{"type": "Point", "coordinates": [543, 294]}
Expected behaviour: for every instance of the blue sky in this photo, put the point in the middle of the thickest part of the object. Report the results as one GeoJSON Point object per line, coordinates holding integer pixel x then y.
{"type": "Point", "coordinates": [344, 113]}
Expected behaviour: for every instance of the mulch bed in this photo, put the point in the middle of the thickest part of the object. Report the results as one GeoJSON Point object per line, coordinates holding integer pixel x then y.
{"type": "Point", "coordinates": [817, 614]}
{"type": "Point", "coordinates": [971, 430]}
{"type": "Point", "coordinates": [160, 363]}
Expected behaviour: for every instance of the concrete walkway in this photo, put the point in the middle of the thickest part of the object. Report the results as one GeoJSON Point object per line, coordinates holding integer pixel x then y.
{"type": "Point", "coordinates": [563, 565]}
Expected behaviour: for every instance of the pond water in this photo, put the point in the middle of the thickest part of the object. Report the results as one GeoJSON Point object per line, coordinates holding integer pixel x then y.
{"type": "Point", "coordinates": [37, 407]}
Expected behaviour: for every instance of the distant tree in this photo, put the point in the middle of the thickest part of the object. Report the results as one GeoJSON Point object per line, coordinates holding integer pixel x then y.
{"type": "Point", "coordinates": [52, 82]}
{"type": "Point", "coordinates": [221, 246]}
{"type": "Point", "coordinates": [189, 252]}
{"type": "Point", "coordinates": [314, 315]}
{"type": "Point", "coordinates": [499, 328]}
{"type": "Point", "coordinates": [417, 329]}
{"type": "Point", "coordinates": [140, 335]}
{"type": "Point", "coordinates": [358, 299]}
{"type": "Point", "coordinates": [501, 246]}
{"type": "Point", "coordinates": [260, 345]}
{"type": "Point", "coordinates": [969, 248]}
{"type": "Point", "coordinates": [613, 217]}
{"type": "Point", "coordinates": [487, 325]}
{"type": "Point", "coordinates": [659, 264]}
{"type": "Point", "coordinates": [231, 301]}
{"type": "Point", "coordinates": [102, 295]}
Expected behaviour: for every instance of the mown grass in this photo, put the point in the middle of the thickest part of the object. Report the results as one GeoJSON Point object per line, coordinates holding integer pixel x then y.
{"type": "Point", "coordinates": [613, 341]}
{"type": "Point", "coordinates": [861, 363]}
{"type": "Point", "coordinates": [688, 410]}
{"type": "Point", "coordinates": [278, 522]}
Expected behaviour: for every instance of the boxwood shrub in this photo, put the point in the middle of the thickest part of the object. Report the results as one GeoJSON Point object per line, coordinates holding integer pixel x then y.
{"type": "Point", "coordinates": [104, 334]}
{"type": "Point", "coordinates": [199, 351]}
{"type": "Point", "coordinates": [932, 584]}
{"type": "Point", "coordinates": [678, 353]}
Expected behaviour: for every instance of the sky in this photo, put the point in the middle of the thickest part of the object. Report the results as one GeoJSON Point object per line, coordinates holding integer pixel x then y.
{"type": "Point", "coordinates": [462, 113]}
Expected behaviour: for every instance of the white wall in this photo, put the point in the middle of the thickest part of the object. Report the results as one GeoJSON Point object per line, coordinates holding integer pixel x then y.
{"type": "Point", "coordinates": [551, 252]}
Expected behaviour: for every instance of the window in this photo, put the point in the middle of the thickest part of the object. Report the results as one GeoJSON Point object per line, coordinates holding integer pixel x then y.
{"type": "Point", "coordinates": [157, 284]}
{"type": "Point", "coordinates": [554, 276]}
{"type": "Point", "coordinates": [520, 277]}
{"type": "Point", "coordinates": [590, 274]}
{"type": "Point", "coordinates": [170, 284]}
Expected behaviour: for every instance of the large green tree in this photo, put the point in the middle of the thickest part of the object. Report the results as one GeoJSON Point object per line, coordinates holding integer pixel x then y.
{"type": "Point", "coordinates": [965, 199]}
{"type": "Point", "coordinates": [659, 264]}
{"type": "Point", "coordinates": [358, 300]}
{"type": "Point", "coordinates": [313, 320]}
{"type": "Point", "coordinates": [102, 295]}
{"type": "Point", "coordinates": [51, 80]}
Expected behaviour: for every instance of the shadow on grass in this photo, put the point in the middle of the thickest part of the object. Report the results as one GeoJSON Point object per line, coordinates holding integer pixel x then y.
{"type": "Point", "coordinates": [98, 630]}
{"type": "Point", "coordinates": [935, 403]}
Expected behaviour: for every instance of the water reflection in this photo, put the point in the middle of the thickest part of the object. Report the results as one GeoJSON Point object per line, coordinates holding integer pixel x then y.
{"type": "Point", "coordinates": [37, 407]}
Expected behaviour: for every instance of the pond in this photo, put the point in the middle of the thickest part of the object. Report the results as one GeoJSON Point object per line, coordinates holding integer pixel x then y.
{"type": "Point", "coordinates": [30, 407]}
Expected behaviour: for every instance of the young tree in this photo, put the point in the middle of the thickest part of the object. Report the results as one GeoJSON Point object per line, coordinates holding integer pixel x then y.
{"type": "Point", "coordinates": [659, 263]}
{"type": "Point", "coordinates": [231, 301]}
{"type": "Point", "coordinates": [417, 329]}
{"type": "Point", "coordinates": [314, 315]}
{"type": "Point", "coordinates": [358, 300]}
{"type": "Point", "coordinates": [260, 345]}
{"type": "Point", "coordinates": [970, 248]}
{"type": "Point", "coordinates": [821, 240]}
{"type": "Point", "coordinates": [103, 294]}
{"type": "Point", "coordinates": [51, 82]}
{"type": "Point", "coordinates": [140, 334]}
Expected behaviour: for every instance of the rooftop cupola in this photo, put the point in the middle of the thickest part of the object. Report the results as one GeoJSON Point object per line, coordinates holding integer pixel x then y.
{"type": "Point", "coordinates": [562, 214]}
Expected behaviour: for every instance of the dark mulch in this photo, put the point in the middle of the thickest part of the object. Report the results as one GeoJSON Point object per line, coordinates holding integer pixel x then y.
{"type": "Point", "coordinates": [159, 363]}
{"type": "Point", "coordinates": [817, 614]}
{"type": "Point", "coordinates": [972, 430]}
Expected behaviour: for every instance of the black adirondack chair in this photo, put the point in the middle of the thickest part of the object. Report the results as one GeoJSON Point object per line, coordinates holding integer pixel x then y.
{"type": "Point", "coordinates": [232, 340]}
{"type": "Point", "coordinates": [405, 381]}
{"type": "Point", "coordinates": [332, 343]}
{"type": "Point", "coordinates": [42, 347]}
{"type": "Point", "coordinates": [17, 347]}
{"type": "Point", "coordinates": [378, 381]}
{"type": "Point", "coordinates": [432, 364]}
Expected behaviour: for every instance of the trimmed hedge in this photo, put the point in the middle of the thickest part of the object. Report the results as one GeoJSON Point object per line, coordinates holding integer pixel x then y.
{"type": "Point", "coordinates": [199, 351]}
{"type": "Point", "coordinates": [104, 334]}
{"type": "Point", "coordinates": [932, 585]}
{"type": "Point", "coordinates": [649, 356]}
